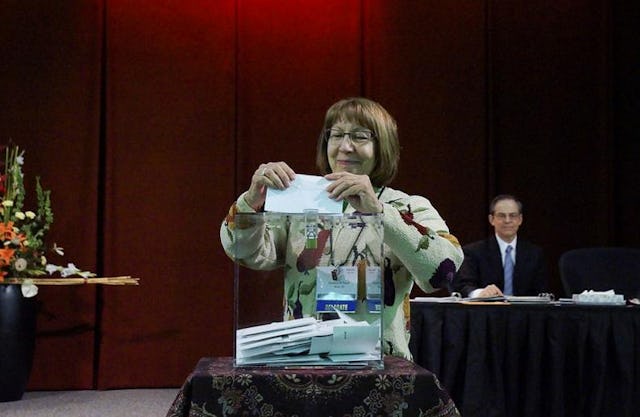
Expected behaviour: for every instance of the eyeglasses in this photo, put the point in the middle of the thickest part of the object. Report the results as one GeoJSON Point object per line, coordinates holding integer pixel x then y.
{"type": "Point", "coordinates": [358, 138]}
{"type": "Point", "coordinates": [504, 216]}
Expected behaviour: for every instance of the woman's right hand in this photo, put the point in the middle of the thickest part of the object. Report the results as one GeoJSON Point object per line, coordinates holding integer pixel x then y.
{"type": "Point", "coordinates": [271, 174]}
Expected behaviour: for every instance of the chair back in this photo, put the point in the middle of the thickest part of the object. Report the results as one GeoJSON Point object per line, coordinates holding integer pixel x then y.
{"type": "Point", "coordinates": [601, 269]}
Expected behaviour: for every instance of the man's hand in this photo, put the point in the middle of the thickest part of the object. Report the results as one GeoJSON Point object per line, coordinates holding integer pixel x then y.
{"type": "Point", "coordinates": [490, 291]}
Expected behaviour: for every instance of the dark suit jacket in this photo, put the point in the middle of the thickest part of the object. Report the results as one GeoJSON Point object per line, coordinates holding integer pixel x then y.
{"type": "Point", "coordinates": [482, 266]}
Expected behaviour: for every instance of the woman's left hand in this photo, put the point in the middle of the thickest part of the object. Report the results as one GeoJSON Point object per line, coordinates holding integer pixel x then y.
{"type": "Point", "coordinates": [356, 189]}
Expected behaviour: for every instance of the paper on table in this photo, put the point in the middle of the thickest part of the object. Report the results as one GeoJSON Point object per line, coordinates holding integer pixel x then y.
{"type": "Point", "coordinates": [599, 297]}
{"type": "Point", "coordinates": [450, 299]}
{"type": "Point", "coordinates": [305, 192]}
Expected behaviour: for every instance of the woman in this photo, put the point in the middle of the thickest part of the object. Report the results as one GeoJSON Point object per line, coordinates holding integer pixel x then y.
{"type": "Point", "coordinates": [358, 151]}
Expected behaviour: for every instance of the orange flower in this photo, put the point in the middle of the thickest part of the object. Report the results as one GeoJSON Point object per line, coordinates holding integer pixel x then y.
{"type": "Point", "coordinates": [6, 231]}
{"type": "Point", "coordinates": [5, 256]}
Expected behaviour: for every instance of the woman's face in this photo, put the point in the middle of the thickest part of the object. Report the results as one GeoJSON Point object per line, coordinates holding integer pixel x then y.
{"type": "Point", "coordinates": [349, 153]}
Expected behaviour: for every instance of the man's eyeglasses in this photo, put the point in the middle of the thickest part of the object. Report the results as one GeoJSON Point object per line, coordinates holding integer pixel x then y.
{"type": "Point", "coordinates": [504, 216]}
{"type": "Point", "coordinates": [358, 138]}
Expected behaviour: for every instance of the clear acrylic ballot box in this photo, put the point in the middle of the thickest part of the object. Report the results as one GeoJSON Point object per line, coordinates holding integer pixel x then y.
{"type": "Point", "coordinates": [308, 289]}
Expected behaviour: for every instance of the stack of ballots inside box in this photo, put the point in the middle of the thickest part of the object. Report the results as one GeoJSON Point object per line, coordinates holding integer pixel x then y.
{"type": "Point", "coordinates": [309, 342]}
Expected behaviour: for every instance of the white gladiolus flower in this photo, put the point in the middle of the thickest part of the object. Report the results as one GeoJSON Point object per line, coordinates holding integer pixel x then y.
{"type": "Point", "coordinates": [30, 214]}
{"type": "Point", "coordinates": [50, 268]}
{"type": "Point", "coordinates": [7, 203]}
{"type": "Point", "coordinates": [19, 215]}
{"type": "Point", "coordinates": [58, 249]}
{"type": "Point", "coordinates": [71, 269]}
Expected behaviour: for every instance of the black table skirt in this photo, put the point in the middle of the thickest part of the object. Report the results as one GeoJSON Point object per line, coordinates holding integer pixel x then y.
{"type": "Point", "coordinates": [532, 360]}
{"type": "Point", "coordinates": [216, 388]}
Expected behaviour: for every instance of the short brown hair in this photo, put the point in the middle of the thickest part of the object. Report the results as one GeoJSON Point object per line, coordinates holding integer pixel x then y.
{"type": "Point", "coordinates": [501, 197]}
{"type": "Point", "coordinates": [366, 113]}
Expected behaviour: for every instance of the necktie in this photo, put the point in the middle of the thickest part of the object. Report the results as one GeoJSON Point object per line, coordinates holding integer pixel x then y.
{"type": "Point", "coordinates": [508, 271]}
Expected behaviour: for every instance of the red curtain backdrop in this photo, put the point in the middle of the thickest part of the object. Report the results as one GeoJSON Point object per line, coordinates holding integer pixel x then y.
{"type": "Point", "coordinates": [50, 106]}
{"type": "Point", "coordinates": [147, 119]}
{"type": "Point", "coordinates": [427, 65]}
{"type": "Point", "coordinates": [169, 173]}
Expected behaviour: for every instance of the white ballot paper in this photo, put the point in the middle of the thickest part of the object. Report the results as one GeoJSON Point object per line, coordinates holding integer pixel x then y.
{"type": "Point", "coordinates": [305, 192]}
{"type": "Point", "coordinates": [354, 339]}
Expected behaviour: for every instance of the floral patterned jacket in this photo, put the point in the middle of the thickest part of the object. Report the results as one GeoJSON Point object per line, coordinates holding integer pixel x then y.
{"type": "Point", "coordinates": [417, 247]}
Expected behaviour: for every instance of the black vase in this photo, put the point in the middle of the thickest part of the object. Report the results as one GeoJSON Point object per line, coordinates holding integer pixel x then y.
{"type": "Point", "coordinates": [17, 341]}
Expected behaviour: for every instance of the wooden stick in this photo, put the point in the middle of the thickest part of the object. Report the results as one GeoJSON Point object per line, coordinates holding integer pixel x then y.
{"type": "Point", "coordinates": [123, 280]}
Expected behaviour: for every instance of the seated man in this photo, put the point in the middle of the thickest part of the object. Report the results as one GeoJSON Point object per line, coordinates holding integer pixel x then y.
{"type": "Point", "coordinates": [502, 264]}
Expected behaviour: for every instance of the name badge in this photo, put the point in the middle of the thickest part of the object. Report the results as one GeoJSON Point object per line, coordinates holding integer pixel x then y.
{"type": "Point", "coordinates": [374, 285]}
{"type": "Point", "coordinates": [336, 288]}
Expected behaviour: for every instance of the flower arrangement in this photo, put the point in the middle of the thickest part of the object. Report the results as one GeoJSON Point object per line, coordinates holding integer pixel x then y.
{"type": "Point", "coordinates": [22, 232]}
{"type": "Point", "coordinates": [23, 252]}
